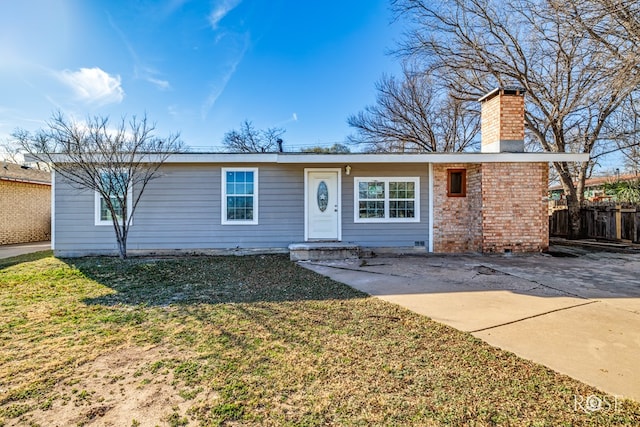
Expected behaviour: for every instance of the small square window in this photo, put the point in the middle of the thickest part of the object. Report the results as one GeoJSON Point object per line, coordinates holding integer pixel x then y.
{"type": "Point", "coordinates": [456, 182]}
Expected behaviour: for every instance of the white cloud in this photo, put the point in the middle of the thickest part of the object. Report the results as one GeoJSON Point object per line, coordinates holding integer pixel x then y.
{"type": "Point", "coordinates": [173, 5]}
{"type": "Point", "coordinates": [173, 111]}
{"type": "Point", "coordinates": [220, 9]}
{"type": "Point", "coordinates": [223, 80]}
{"type": "Point", "coordinates": [93, 85]}
{"type": "Point", "coordinates": [160, 84]}
{"type": "Point", "coordinates": [180, 113]}
{"type": "Point", "coordinates": [218, 89]}
{"type": "Point", "coordinates": [140, 70]}
{"type": "Point", "coordinates": [293, 118]}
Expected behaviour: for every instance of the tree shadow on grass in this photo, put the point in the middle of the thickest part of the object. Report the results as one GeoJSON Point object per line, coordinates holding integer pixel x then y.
{"type": "Point", "coordinates": [34, 256]}
{"type": "Point", "coordinates": [208, 280]}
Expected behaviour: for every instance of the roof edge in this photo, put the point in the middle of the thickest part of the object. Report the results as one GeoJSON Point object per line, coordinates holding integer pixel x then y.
{"type": "Point", "coordinates": [315, 159]}
{"type": "Point", "coordinates": [25, 181]}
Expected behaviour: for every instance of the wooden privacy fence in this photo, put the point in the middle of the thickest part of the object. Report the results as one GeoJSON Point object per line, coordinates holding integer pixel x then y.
{"type": "Point", "coordinates": [600, 221]}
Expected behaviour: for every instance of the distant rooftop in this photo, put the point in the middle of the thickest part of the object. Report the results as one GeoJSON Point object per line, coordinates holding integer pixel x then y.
{"type": "Point", "coordinates": [600, 180]}
{"type": "Point", "coordinates": [15, 172]}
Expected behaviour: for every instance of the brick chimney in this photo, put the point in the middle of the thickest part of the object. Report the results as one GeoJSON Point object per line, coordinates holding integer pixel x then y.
{"type": "Point", "coordinates": [502, 121]}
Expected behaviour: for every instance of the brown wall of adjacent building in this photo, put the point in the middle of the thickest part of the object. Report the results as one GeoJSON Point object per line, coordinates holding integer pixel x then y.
{"type": "Point", "coordinates": [25, 212]}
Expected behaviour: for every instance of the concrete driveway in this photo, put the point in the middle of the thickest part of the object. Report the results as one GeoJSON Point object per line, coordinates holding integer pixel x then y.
{"type": "Point", "coordinates": [8, 251]}
{"type": "Point", "coordinates": [577, 315]}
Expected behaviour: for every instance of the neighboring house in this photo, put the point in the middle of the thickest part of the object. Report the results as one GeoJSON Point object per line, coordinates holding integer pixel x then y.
{"type": "Point", "coordinates": [492, 201]}
{"type": "Point", "coordinates": [25, 204]}
{"type": "Point", "coordinates": [594, 187]}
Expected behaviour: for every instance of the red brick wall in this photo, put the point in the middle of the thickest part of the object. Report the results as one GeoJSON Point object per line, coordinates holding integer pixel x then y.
{"type": "Point", "coordinates": [502, 118]}
{"type": "Point", "coordinates": [457, 223]}
{"type": "Point", "coordinates": [504, 209]}
{"type": "Point", "coordinates": [25, 212]}
{"type": "Point", "coordinates": [514, 207]}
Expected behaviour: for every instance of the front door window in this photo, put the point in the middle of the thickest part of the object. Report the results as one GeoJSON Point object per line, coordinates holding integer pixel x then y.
{"type": "Point", "coordinates": [323, 196]}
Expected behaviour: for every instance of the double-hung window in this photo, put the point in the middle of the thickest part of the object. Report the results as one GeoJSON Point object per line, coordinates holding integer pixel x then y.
{"type": "Point", "coordinates": [387, 199]}
{"type": "Point", "coordinates": [118, 188]}
{"type": "Point", "coordinates": [239, 196]}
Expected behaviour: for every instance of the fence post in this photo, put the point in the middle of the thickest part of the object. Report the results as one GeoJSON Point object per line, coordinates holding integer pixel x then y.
{"type": "Point", "coordinates": [632, 225]}
{"type": "Point", "coordinates": [618, 222]}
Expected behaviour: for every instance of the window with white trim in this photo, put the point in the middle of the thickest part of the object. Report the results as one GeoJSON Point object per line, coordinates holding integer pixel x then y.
{"type": "Point", "coordinates": [387, 199]}
{"type": "Point", "coordinates": [115, 184]}
{"type": "Point", "coordinates": [239, 196]}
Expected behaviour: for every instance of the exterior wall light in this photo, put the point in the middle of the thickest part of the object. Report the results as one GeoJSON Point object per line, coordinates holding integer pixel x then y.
{"type": "Point", "coordinates": [347, 170]}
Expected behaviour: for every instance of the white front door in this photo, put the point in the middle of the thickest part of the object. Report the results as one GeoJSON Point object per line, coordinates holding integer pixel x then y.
{"type": "Point", "coordinates": [322, 210]}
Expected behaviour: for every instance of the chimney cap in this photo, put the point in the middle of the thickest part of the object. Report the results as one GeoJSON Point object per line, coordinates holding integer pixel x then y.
{"type": "Point", "coordinates": [507, 90]}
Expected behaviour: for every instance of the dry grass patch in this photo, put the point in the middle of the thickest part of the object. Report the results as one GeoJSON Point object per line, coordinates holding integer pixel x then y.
{"type": "Point", "coordinates": [249, 341]}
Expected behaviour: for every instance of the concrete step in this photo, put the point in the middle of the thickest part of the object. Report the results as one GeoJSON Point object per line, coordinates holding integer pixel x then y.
{"type": "Point", "coordinates": [321, 251]}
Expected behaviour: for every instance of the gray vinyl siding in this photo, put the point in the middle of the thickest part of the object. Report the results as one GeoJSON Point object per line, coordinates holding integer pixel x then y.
{"type": "Point", "coordinates": [385, 234]}
{"type": "Point", "coordinates": [182, 210]}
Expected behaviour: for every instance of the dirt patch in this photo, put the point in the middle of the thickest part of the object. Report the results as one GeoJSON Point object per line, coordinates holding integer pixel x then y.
{"type": "Point", "coordinates": [122, 388]}
{"type": "Point", "coordinates": [254, 341]}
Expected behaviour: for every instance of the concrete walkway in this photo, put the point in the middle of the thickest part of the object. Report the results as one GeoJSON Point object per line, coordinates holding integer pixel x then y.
{"type": "Point", "coordinates": [8, 251]}
{"type": "Point", "coordinates": [579, 316]}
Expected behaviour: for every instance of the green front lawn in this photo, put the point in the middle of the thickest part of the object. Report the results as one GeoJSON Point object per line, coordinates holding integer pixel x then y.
{"type": "Point", "coordinates": [252, 340]}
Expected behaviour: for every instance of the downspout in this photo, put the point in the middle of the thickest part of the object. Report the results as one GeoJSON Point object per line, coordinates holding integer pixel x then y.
{"type": "Point", "coordinates": [53, 208]}
{"type": "Point", "coordinates": [430, 208]}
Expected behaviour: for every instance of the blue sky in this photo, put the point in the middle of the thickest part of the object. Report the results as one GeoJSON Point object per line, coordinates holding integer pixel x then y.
{"type": "Point", "coordinates": [199, 67]}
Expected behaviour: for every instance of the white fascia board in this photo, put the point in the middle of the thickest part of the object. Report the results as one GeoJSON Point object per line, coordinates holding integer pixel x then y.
{"type": "Point", "coordinates": [434, 158]}
{"type": "Point", "coordinates": [197, 158]}
{"type": "Point", "coordinates": [29, 158]}
{"type": "Point", "coordinates": [223, 158]}
{"type": "Point", "coordinates": [323, 159]}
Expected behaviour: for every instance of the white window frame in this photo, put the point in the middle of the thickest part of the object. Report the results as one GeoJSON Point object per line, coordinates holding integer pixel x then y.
{"type": "Point", "coordinates": [98, 198]}
{"type": "Point", "coordinates": [223, 212]}
{"type": "Point", "coordinates": [386, 180]}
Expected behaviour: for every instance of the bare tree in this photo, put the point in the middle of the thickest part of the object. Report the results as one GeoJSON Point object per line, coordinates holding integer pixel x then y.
{"type": "Point", "coordinates": [11, 152]}
{"type": "Point", "coordinates": [336, 148]}
{"type": "Point", "coordinates": [615, 27]}
{"type": "Point", "coordinates": [248, 139]}
{"type": "Point", "coordinates": [623, 132]}
{"type": "Point", "coordinates": [412, 115]}
{"type": "Point", "coordinates": [612, 23]}
{"type": "Point", "coordinates": [632, 160]}
{"type": "Point", "coordinates": [573, 85]}
{"type": "Point", "coordinates": [117, 163]}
